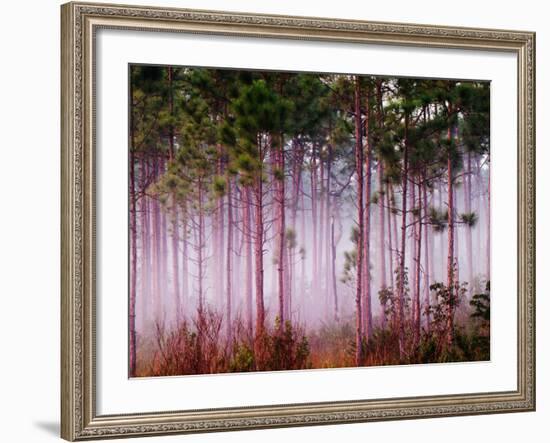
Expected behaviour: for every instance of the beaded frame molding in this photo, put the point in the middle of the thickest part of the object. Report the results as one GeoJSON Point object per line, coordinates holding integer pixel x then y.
{"type": "Point", "coordinates": [79, 22]}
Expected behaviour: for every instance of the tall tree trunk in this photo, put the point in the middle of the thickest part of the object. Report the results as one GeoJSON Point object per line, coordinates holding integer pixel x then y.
{"type": "Point", "coordinates": [200, 249]}
{"type": "Point", "coordinates": [382, 227]}
{"type": "Point", "coordinates": [281, 233]}
{"type": "Point", "coordinates": [133, 269]}
{"type": "Point", "coordinates": [259, 262]}
{"type": "Point", "coordinates": [401, 277]}
{"type": "Point", "coordinates": [418, 229]}
{"type": "Point", "coordinates": [237, 249]}
{"type": "Point", "coordinates": [228, 264]}
{"type": "Point", "coordinates": [412, 246]}
{"type": "Point", "coordinates": [219, 235]}
{"type": "Point", "coordinates": [367, 302]}
{"type": "Point", "coordinates": [360, 223]}
{"type": "Point", "coordinates": [321, 237]}
{"type": "Point", "coordinates": [329, 271]}
{"type": "Point", "coordinates": [389, 192]}
{"type": "Point", "coordinates": [185, 259]}
{"type": "Point", "coordinates": [443, 268]}
{"type": "Point", "coordinates": [174, 207]}
{"type": "Point", "coordinates": [427, 264]}
{"type": "Point", "coordinates": [288, 283]}
{"type": "Point", "coordinates": [163, 247]}
{"type": "Point", "coordinates": [303, 236]}
{"type": "Point", "coordinates": [315, 255]}
{"type": "Point", "coordinates": [456, 242]}
{"type": "Point", "coordinates": [393, 215]}
{"type": "Point", "coordinates": [175, 260]}
{"type": "Point", "coordinates": [156, 251]}
{"type": "Point", "coordinates": [468, 208]}
{"type": "Point", "coordinates": [488, 224]}
{"type": "Point", "coordinates": [450, 244]}
{"type": "Point", "coordinates": [333, 269]}
{"type": "Point", "coordinates": [298, 152]}
{"type": "Point", "coordinates": [478, 207]}
{"type": "Point", "coordinates": [145, 305]}
{"type": "Point", "coordinates": [248, 259]}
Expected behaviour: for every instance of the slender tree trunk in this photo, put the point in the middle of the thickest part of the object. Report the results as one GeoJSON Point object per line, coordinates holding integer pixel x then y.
{"type": "Point", "coordinates": [321, 237]}
{"type": "Point", "coordinates": [303, 236]}
{"type": "Point", "coordinates": [156, 252]}
{"type": "Point", "coordinates": [200, 249]}
{"type": "Point", "coordinates": [442, 260]}
{"type": "Point", "coordinates": [390, 243]}
{"type": "Point", "coordinates": [393, 215]}
{"type": "Point", "coordinates": [418, 228]}
{"type": "Point", "coordinates": [478, 207]}
{"type": "Point", "coordinates": [360, 223]}
{"type": "Point", "coordinates": [219, 235]}
{"type": "Point", "coordinates": [456, 242]}
{"type": "Point", "coordinates": [329, 271]}
{"type": "Point", "coordinates": [298, 159]}
{"type": "Point", "coordinates": [382, 227]}
{"type": "Point", "coordinates": [237, 250]}
{"type": "Point", "coordinates": [412, 246]}
{"type": "Point", "coordinates": [175, 259]}
{"type": "Point", "coordinates": [367, 303]}
{"type": "Point", "coordinates": [468, 208]}
{"type": "Point", "coordinates": [228, 264]}
{"type": "Point", "coordinates": [133, 270]}
{"type": "Point", "coordinates": [427, 264]}
{"type": "Point", "coordinates": [248, 259]}
{"type": "Point", "coordinates": [333, 269]}
{"type": "Point", "coordinates": [259, 262]}
{"type": "Point", "coordinates": [450, 245]}
{"type": "Point", "coordinates": [174, 207]}
{"type": "Point", "coordinates": [488, 238]}
{"type": "Point", "coordinates": [281, 233]}
{"type": "Point", "coordinates": [314, 258]}
{"type": "Point", "coordinates": [401, 278]}
{"type": "Point", "coordinates": [185, 259]}
{"type": "Point", "coordinates": [288, 283]}
{"type": "Point", "coordinates": [146, 306]}
{"type": "Point", "coordinates": [163, 247]}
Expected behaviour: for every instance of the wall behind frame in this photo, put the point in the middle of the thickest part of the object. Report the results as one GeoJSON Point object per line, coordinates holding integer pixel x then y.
{"type": "Point", "coordinates": [29, 221]}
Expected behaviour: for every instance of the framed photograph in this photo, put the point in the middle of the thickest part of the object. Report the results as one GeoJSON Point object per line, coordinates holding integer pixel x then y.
{"type": "Point", "coordinates": [282, 221]}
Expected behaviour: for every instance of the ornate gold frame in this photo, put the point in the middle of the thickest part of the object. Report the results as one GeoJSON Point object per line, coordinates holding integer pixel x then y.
{"type": "Point", "coordinates": [79, 420]}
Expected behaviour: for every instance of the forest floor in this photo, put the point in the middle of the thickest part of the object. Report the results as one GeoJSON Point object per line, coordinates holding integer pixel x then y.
{"type": "Point", "coordinates": [200, 347]}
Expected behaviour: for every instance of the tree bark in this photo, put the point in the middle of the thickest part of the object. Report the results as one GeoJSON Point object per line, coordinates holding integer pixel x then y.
{"type": "Point", "coordinates": [229, 269]}
{"type": "Point", "coordinates": [333, 270]}
{"type": "Point", "coordinates": [367, 301]}
{"type": "Point", "coordinates": [248, 259]}
{"type": "Point", "coordinates": [259, 263]}
{"type": "Point", "coordinates": [450, 244]}
{"type": "Point", "coordinates": [418, 228]}
{"type": "Point", "coordinates": [200, 249]}
{"type": "Point", "coordinates": [175, 260]}
{"type": "Point", "coordinates": [360, 222]}
{"type": "Point", "coordinates": [133, 270]}
{"type": "Point", "coordinates": [468, 208]}
{"type": "Point", "coordinates": [488, 239]}
{"type": "Point", "coordinates": [156, 251]}
{"type": "Point", "coordinates": [174, 207]}
{"type": "Point", "coordinates": [427, 264]}
{"type": "Point", "coordinates": [329, 264]}
{"type": "Point", "coordinates": [145, 274]}
{"type": "Point", "coordinates": [389, 192]}
{"type": "Point", "coordinates": [281, 233]}
{"type": "Point", "coordinates": [315, 255]}
{"type": "Point", "coordinates": [184, 259]}
{"type": "Point", "coordinates": [401, 278]}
